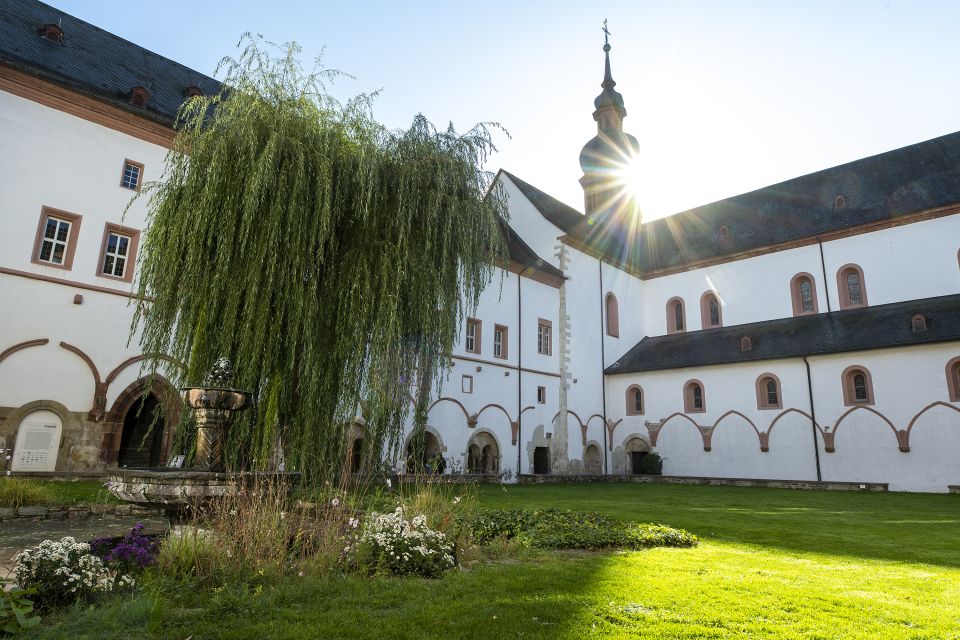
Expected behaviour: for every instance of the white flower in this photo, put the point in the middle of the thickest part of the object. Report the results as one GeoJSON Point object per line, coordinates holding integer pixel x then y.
{"type": "Point", "coordinates": [456, 500]}
{"type": "Point", "coordinates": [335, 502]}
{"type": "Point", "coordinates": [389, 483]}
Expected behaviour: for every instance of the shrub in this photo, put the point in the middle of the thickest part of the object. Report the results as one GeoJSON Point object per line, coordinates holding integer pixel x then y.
{"type": "Point", "coordinates": [64, 572]}
{"type": "Point", "coordinates": [556, 529]}
{"type": "Point", "coordinates": [20, 492]}
{"type": "Point", "coordinates": [134, 553]}
{"type": "Point", "coordinates": [651, 464]}
{"type": "Point", "coordinates": [390, 543]}
{"type": "Point", "coordinates": [15, 610]}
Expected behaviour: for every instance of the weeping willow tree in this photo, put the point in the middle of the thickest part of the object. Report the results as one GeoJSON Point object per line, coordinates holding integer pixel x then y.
{"type": "Point", "coordinates": [330, 259]}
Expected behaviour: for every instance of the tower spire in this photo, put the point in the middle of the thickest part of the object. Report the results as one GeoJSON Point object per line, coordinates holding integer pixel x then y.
{"type": "Point", "coordinates": [604, 157]}
{"type": "Point", "coordinates": [610, 111]}
{"type": "Point", "coordinates": [607, 76]}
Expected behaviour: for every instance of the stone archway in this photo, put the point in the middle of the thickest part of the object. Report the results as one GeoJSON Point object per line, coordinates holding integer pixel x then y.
{"type": "Point", "coordinates": [425, 456]}
{"type": "Point", "coordinates": [483, 454]}
{"type": "Point", "coordinates": [592, 459]}
{"type": "Point", "coordinates": [634, 450]}
{"type": "Point", "coordinates": [140, 426]}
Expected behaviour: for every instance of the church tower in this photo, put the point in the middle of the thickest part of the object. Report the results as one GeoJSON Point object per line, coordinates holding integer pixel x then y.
{"type": "Point", "coordinates": [605, 158]}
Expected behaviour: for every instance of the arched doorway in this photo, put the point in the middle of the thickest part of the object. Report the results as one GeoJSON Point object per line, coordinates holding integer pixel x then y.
{"type": "Point", "coordinates": [38, 442]}
{"type": "Point", "coordinates": [541, 460]}
{"type": "Point", "coordinates": [483, 454]}
{"type": "Point", "coordinates": [635, 450]}
{"type": "Point", "coordinates": [592, 460]}
{"type": "Point", "coordinates": [425, 454]}
{"type": "Point", "coordinates": [141, 441]}
{"type": "Point", "coordinates": [126, 411]}
{"type": "Point", "coordinates": [356, 455]}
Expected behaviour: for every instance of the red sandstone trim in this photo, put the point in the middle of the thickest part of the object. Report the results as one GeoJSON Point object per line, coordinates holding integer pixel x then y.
{"type": "Point", "coordinates": [849, 394]}
{"type": "Point", "coordinates": [20, 346]}
{"type": "Point", "coordinates": [797, 299]}
{"type": "Point", "coordinates": [74, 219]}
{"type": "Point", "coordinates": [843, 292]}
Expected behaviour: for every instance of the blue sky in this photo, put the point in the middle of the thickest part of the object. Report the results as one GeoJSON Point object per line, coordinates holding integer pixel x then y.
{"type": "Point", "coordinates": [724, 97]}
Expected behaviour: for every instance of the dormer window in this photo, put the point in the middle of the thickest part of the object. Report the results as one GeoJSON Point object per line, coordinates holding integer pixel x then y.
{"type": "Point", "coordinates": [52, 32]}
{"type": "Point", "coordinates": [138, 97]}
{"type": "Point", "coordinates": [192, 91]}
{"type": "Point", "coordinates": [918, 323]}
{"type": "Point", "coordinates": [746, 344]}
{"type": "Point", "coordinates": [839, 202]}
{"type": "Point", "coordinates": [724, 231]}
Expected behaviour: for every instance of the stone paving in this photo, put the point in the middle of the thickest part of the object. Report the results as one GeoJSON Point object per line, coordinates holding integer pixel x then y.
{"type": "Point", "coordinates": [16, 535]}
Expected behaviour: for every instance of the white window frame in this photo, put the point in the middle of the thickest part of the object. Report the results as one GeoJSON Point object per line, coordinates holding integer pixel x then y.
{"type": "Point", "coordinates": [116, 255]}
{"type": "Point", "coordinates": [54, 242]}
{"type": "Point", "coordinates": [544, 337]}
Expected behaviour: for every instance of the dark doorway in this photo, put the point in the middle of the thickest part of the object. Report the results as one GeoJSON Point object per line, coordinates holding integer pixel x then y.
{"type": "Point", "coordinates": [140, 446]}
{"type": "Point", "coordinates": [541, 460]}
{"type": "Point", "coordinates": [636, 461]}
{"type": "Point", "coordinates": [356, 455]}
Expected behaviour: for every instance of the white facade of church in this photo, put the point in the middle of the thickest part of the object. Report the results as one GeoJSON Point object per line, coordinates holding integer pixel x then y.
{"type": "Point", "coordinates": [831, 355]}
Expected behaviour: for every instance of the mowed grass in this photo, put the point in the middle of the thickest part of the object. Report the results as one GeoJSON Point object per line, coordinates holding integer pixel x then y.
{"type": "Point", "coordinates": [772, 564]}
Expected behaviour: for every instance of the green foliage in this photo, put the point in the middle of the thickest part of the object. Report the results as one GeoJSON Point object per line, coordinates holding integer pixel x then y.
{"type": "Point", "coordinates": [651, 464]}
{"type": "Point", "coordinates": [16, 609]}
{"type": "Point", "coordinates": [557, 529]}
{"type": "Point", "coordinates": [332, 260]}
{"type": "Point", "coordinates": [22, 492]}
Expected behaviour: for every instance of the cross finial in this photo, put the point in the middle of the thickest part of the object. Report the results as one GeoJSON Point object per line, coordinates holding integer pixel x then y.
{"type": "Point", "coordinates": [606, 32]}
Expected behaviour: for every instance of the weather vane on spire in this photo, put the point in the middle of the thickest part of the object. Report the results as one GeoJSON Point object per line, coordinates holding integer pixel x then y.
{"type": "Point", "coordinates": [606, 32]}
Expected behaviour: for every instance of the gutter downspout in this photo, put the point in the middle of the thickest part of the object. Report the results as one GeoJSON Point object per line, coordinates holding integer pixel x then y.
{"type": "Point", "coordinates": [826, 288]}
{"type": "Point", "coordinates": [603, 374]}
{"type": "Point", "coordinates": [519, 374]}
{"type": "Point", "coordinates": [813, 419]}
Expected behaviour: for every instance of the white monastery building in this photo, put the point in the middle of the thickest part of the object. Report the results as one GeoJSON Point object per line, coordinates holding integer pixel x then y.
{"type": "Point", "coordinates": [809, 330]}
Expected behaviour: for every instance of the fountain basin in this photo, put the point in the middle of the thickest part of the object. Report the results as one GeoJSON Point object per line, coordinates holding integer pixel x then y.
{"type": "Point", "coordinates": [175, 490]}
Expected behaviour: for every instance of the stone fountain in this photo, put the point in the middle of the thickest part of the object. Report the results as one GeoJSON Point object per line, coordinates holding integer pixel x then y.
{"type": "Point", "coordinates": [214, 407]}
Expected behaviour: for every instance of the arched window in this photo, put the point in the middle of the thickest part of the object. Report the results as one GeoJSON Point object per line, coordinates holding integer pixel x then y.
{"type": "Point", "coordinates": [676, 317]}
{"type": "Point", "coordinates": [953, 380]}
{"type": "Point", "coordinates": [634, 400]}
{"type": "Point", "coordinates": [694, 399]}
{"type": "Point", "coordinates": [613, 316]}
{"type": "Point", "coordinates": [710, 313]}
{"type": "Point", "coordinates": [803, 292]}
{"type": "Point", "coordinates": [851, 287]}
{"type": "Point", "coordinates": [768, 392]}
{"type": "Point", "coordinates": [857, 386]}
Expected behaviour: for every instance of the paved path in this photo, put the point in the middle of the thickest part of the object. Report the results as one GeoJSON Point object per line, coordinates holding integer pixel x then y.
{"type": "Point", "coordinates": [16, 535]}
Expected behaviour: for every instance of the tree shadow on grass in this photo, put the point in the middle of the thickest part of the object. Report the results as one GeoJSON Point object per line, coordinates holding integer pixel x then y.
{"type": "Point", "coordinates": [919, 528]}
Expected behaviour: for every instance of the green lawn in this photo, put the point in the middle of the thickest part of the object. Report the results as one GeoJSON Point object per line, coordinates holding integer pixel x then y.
{"type": "Point", "coordinates": [773, 564]}
{"type": "Point", "coordinates": [29, 491]}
